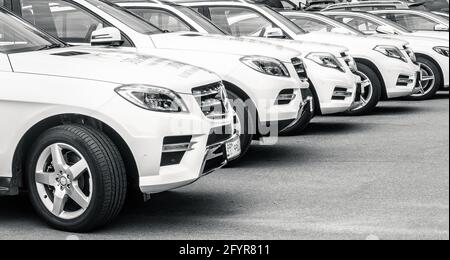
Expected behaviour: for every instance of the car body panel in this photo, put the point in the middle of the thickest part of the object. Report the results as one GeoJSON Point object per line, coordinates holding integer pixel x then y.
{"type": "Point", "coordinates": [90, 66]}
{"type": "Point", "coordinates": [4, 63]}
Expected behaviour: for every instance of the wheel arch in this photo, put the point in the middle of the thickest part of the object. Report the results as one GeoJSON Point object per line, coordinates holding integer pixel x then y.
{"type": "Point", "coordinates": [27, 140]}
{"type": "Point", "coordinates": [244, 96]}
{"type": "Point", "coordinates": [428, 57]}
{"type": "Point", "coordinates": [374, 67]}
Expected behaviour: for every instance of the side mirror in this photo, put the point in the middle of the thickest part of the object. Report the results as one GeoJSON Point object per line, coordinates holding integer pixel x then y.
{"type": "Point", "coordinates": [385, 30]}
{"type": "Point", "coordinates": [273, 33]}
{"type": "Point", "coordinates": [108, 36]}
{"type": "Point", "coordinates": [441, 28]}
{"type": "Point", "coordinates": [340, 30]}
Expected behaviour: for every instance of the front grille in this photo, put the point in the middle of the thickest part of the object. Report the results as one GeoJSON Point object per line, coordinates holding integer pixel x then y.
{"type": "Point", "coordinates": [212, 100]}
{"type": "Point", "coordinates": [350, 63]}
{"type": "Point", "coordinates": [300, 68]}
{"type": "Point", "coordinates": [219, 135]}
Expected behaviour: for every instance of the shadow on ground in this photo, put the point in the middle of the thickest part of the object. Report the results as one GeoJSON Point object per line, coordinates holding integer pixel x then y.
{"type": "Point", "coordinates": [396, 110]}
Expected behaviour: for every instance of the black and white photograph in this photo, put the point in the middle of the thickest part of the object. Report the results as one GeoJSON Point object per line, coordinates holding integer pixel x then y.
{"type": "Point", "coordinates": [219, 128]}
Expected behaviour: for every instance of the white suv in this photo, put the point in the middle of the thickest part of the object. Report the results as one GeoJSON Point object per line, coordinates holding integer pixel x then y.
{"type": "Point", "coordinates": [384, 63]}
{"type": "Point", "coordinates": [260, 78]}
{"type": "Point", "coordinates": [334, 86]}
{"type": "Point", "coordinates": [431, 53]}
{"type": "Point", "coordinates": [80, 126]}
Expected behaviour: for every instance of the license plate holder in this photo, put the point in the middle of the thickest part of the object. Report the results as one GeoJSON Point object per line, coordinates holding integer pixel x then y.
{"type": "Point", "coordinates": [233, 148]}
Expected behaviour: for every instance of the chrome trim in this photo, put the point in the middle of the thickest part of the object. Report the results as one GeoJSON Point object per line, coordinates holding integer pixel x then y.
{"type": "Point", "coordinates": [210, 150]}
{"type": "Point", "coordinates": [344, 94]}
{"type": "Point", "coordinates": [181, 147]}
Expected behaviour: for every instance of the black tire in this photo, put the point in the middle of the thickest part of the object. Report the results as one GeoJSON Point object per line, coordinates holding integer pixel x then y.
{"type": "Point", "coordinates": [304, 121]}
{"type": "Point", "coordinates": [107, 170]}
{"type": "Point", "coordinates": [373, 100]}
{"type": "Point", "coordinates": [437, 82]}
{"type": "Point", "coordinates": [248, 124]}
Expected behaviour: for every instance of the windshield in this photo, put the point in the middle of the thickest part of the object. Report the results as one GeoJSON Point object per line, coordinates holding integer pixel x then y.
{"type": "Point", "coordinates": [338, 24]}
{"type": "Point", "coordinates": [284, 20]}
{"type": "Point", "coordinates": [17, 36]}
{"type": "Point", "coordinates": [440, 18]}
{"type": "Point", "coordinates": [126, 17]}
{"type": "Point", "coordinates": [208, 26]}
{"type": "Point", "coordinates": [391, 23]}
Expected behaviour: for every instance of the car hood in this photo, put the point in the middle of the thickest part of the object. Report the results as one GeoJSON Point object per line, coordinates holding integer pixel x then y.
{"type": "Point", "coordinates": [350, 41]}
{"type": "Point", "coordinates": [306, 47]}
{"type": "Point", "coordinates": [439, 35]}
{"type": "Point", "coordinates": [222, 44]}
{"type": "Point", "coordinates": [115, 66]}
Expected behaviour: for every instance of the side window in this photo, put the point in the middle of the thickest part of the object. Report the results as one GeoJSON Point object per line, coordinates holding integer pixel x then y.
{"type": "Point", "coordinates": [162, 19]}
{"type": "Point", "coordinates": [311, 25]}
{"type": "Point", "coordinates": [63, 20]}
{"type": "Point", "coordinates": [239, 21]}
{"type": "Point", "coordinates": [415, 22]}
{"type": "Point", "coordinates": [358, 23]}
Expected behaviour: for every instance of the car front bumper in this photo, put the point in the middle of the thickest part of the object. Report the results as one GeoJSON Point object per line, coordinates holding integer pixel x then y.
{"type": "Point", "coordinates": [400, 78]}
{"type": "Point", "coordinates": [147, 133]}
{"type": "Point", "coordinates": [335, 89]}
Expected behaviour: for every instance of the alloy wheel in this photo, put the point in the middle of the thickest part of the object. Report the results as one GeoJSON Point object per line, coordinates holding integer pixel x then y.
{"type": "Point", "coordinates": [64, 181]}
{"type": "Point", "coordinates": [427, 81]}
{"type": "Point", "coordinates": [366, 91]}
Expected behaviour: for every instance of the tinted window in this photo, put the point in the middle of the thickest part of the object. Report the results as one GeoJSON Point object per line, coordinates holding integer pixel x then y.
{"type": "Point", "coordinates": [311, 25]}
{"type": "Point", "coordinates": [162, 19]}
{"type": "Point", "coordinates": [239, 21]}
{"type": "Point", "coordinates": [199, 19]}
{"type": "Point", "coordinates": [412, 22]}
{"type": "Point", "coordinates": [125, 17]}
{"type": "Point", "coordinates": [61, 19]}
{"type": "Point", "coordinates": [67, 21]}
{"type": "Point", "coordinates": [361, 24]}
{"type": "Point", "coordinates": [16, 36]}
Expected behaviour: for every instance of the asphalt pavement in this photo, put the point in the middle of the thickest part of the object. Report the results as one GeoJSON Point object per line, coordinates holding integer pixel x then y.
{"type": "Point", "coordinates": [382, 176]}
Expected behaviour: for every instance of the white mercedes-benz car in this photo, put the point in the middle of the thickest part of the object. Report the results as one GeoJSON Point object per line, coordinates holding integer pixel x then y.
{"type": "Point", "coordinates": [334, 83]}
{"type": "Point", "coordinates": [419, 22]}
{"type": "Point", "coordinates": [384, 63]}
{"type": "Point", "coordinates": [80, 126]}
{"type": "Point", "coordinates": [431, 53]}
{"type": "Point", "coordinates": [264, 80]}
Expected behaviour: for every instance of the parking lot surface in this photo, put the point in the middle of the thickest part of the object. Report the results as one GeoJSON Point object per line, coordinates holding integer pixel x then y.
{"type": "Point", "coordinates": [383, 176]}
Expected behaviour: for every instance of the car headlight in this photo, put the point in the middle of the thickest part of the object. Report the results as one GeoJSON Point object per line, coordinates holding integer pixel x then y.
{"type": "Point", "coordinates": [266, 65]}
{"type": "Point", "coordinates": [442, 50]}
{"type": "Point", "coordinates": [152, 98]}
{"type": "Point", "coordinates": [391, 51]}
{"type": "Point", "coordinates": [326, 60]}
{"type": "Point", "coordinates": [411, 54]}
